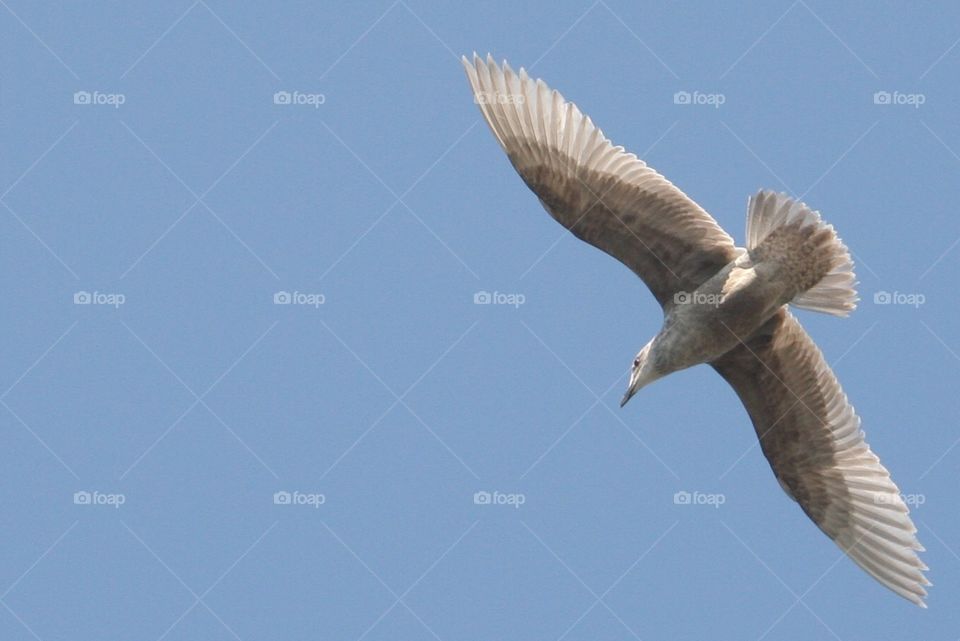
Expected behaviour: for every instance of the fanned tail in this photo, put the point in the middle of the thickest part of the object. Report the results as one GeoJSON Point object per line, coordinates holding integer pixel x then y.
{"type": "Point", "coordinates": [819, 264]}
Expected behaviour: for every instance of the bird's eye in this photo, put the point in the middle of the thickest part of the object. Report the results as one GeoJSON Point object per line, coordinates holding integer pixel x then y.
{"type": "Point", "coordinates": [636, 362]}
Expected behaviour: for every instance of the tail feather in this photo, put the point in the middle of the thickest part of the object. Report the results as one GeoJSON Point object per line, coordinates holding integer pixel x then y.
{"type": "Point", "coordinates": [819, 264]}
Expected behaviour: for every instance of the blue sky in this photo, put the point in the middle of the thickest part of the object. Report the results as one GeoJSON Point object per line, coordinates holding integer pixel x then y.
{"type": "Point", "coordinates": [239, 252]}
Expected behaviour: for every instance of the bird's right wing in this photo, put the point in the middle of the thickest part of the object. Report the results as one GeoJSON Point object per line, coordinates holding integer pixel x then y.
{"type": "Point", "coordinates": [604, 195]}
{"type": "Point", "coordinates": [811, 436]}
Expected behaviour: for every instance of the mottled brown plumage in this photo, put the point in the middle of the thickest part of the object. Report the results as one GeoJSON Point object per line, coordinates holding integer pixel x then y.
{"type": "Point", "coordinates": [723, 305]}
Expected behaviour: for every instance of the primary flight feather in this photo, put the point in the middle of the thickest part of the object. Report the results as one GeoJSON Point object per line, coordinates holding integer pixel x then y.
{"type": "Point", "coordinates": [723, 305]}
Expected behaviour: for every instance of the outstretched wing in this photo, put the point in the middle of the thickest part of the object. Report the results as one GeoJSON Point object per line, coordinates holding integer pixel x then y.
{"type": "Point", "coordinates": [604, 195]}
{"type": "Point", "coordinates": [811, 436]}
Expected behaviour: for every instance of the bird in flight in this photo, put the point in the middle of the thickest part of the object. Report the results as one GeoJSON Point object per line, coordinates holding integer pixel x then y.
{"type": "Point", "coordinates": [723, 305]}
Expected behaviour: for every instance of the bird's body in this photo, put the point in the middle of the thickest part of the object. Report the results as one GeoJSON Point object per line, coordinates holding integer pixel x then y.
{"type": "Point", "coordinates": [729, 307]}
{"type": "Point", "coordinates": [708, 322]}
{"type": "Point", "coordinates": [723, 305]}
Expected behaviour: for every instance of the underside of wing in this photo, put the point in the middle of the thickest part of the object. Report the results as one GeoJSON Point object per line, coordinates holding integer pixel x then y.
{"type": "Point", "coordinates": [811, 436]}
{"type": "Point", "coordinates": [604, 195]}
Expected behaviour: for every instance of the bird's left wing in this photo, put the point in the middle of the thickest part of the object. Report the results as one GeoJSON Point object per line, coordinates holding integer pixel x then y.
{"type": "Point", "coordinates": [604, 195]}
{"type": "Point", "coordinates": [811, 436]}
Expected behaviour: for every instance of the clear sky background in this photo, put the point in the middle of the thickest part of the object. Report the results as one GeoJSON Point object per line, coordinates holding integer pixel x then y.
{"type": "Point", "coordinates": [182, 198]}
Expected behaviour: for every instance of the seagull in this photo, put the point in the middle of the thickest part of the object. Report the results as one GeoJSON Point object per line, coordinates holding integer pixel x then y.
{"type": "Point", "coordinates": [723, 305]}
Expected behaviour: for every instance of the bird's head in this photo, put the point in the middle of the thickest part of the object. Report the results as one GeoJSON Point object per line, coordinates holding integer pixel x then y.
{"type": "Point", "coordinates": [642, 372]}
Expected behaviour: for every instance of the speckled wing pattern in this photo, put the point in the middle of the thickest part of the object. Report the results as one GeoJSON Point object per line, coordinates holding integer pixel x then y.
{"type": "Point", "coordinates": [601, 193]}
{"type": "Point", "coordinates": [811, 436]}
